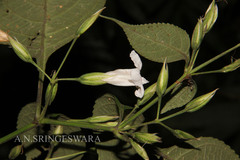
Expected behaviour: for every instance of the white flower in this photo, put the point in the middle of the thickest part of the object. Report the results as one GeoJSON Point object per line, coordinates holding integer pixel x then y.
{"type": "Point", "coordinates": [128, 77]}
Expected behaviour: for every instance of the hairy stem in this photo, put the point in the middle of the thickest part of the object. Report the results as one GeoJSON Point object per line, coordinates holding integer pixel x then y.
{"type": "Point", "coordinates": [64, 59]}
{"type": "Point", "coordinates": [76, 124]}
{"type": "Point", "coordinates": [158, 108]}
{"type": "Point", "coordinates": [214, 59]}
{"type": "Point", "coordinates": [124, 123]}
{"type": "Point", "coordinates": [133, 117]}
{"type": "Point", "coordinates": [17, 132]}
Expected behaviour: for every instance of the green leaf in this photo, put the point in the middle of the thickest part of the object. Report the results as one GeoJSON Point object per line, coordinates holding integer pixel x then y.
{"type": "Point", "coordinates": [69, 148]}
{"type": "Point", "coordinates": [203, 148]}
{"type": "Point", "coordinates": [105, 106]}
{"type": "Point", "coordinates": [70, 156]}
{"type": "Point", "coordinates": [25, 117]}
{"type": "Point", "coordinates": [182, 97]}
{"type": "Point", "coordinates": [157, 42]}
{"type": "Point", "coordinates": [114, 149]}
{"type": "Point", "coordinates": [44, 26]}
{"type": "Point", "coordinates": [72, 145]}
{"type": "Point", "coordinates": [111, 148]}
{"type": "Point", "coordinates": [109, 105]}
{"type": "Point", "coordinates": [66, 129]}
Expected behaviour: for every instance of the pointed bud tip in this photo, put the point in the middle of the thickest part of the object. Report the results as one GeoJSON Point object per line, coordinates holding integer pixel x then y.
{"type": "Point", "coordinates": [210, 17]}
{"type": "Point", "coordinates": [200, 101]}
{"type": "Point", "coordinates": [4, 36]}
{"type": "Point", "coordinates": [88, 22]}
{"type": "Point", "coordinates": [58, 130]}
{"type": "Point", "coordinates": [197, 35]}
{"type": "Point", "coordinates": [162, 79]}
{"type": "Point", "coordinates": [20, 50]}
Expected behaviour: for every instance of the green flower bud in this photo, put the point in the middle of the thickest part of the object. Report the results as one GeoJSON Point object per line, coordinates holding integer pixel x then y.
{"type": "Point", "coordinates": [139, 149]}
{"type": "Point", "coordinates": [20, 50]}
{"type": "Point", "coordinates": [100, 119]}
{"type": "Point", "coordinates": [162, 80]}
{"type": "Point", "coordinates": [58, 130]}
{"type": "Point", "coordinates": [148, 94]}
{"type": "Point", "coordinates": [3, 36]}
{"type": "Point", "coordinates": [51, 92]}
{"type": "Point", "coordinates": [88, 22]}
{"type": "Point", "coordinates": [147, 138]}
{"type": "Point", "coordinates": [93, 79]}
{"type": "Point", "coordinates": [182, 135]}
{"type": "Point", "coordinates": [15, 152]}
{"type": "Point", "coordinates": [199, 102]}
{"type": "Point", "coordinates": [210, 17]}
{"type": "Point", "coordinates": [108, 124]}
{"type": "Point", "coordinates": [197, 35]}
{"type": "Point", "coordinates": [231, 67]}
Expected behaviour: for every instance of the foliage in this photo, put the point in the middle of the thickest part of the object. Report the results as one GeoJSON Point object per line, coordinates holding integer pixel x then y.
{"type": "Point", "coordinates": [37, 29]}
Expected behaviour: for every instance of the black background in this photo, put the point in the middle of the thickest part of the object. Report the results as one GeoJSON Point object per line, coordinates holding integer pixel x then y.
{"type": "Point", "coordinates": [104, 47]}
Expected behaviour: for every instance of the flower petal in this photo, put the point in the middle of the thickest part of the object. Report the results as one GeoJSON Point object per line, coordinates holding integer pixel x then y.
{"type": "Point", "coordinates": [144, 81]}
{"type": "Point", "coordinates": [136, 59]}
{"type": "Point", "coordinates": [136, 78]}
{"type": "Point", "coordinates": [120, 77]}
{"type": "Point", "coordinates": [139, 92]}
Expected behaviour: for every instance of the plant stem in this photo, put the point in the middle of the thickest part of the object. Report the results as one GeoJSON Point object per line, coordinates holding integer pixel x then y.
{"type": "Point", "coordinates": [165, 126]}
{"type": "Point", "coordinates": [214, 59]}
{"type": "Point", "coordinates": [172, 115]}
{"type": "Point", "coordinates": [193, 59]}
{"type": "Point", "coordinates": [69, 50]}
{"type": "Point", "coordinates": [133, 110]}
{"type": "Point", "coordinates": [124, 123]}
{"type": "Point", "coordinates": [50, 151]}
{"type": "Point", "coordinates": [127, 121]}
{"type": "Point", "coordinates": [191, 72]}
{"type": "Point", "coordinates": [39, 97]}
{"type": "Point", "coordinates": [17, 132]}
{"type": "Point", "coordinates": [159, 105]}
{"type": "Point", "coordinates": [76, 124]}
{"type": "Point", "coordinates": [41, 70]}
{"type": "Point", "coordinates": [40, 90]}
{"type": "Point", "coordinates": [140, 125]}
{"type": "Point", "coordinates": [207, 72]}
{"type": "Point", "coordinates": [44, 111]}
{"type": "Point", "coordinates": [66, 79]}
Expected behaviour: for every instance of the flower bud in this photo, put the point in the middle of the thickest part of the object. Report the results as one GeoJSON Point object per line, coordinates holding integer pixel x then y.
{"type": "Point", "coordinates": [149, 92]}
{"type": "Point", "coordinates": [147, 138]}
{"type": "Point", "coordinates": [51, 92]}
{"type": "Point", "coordinates": [162, 80]}
{"type": "Point", "coordinates": [93, 79]}
{"type": "Point", "coordinates": [199, 102]}
{"type": "Point", "coordinates": [58, 130]}
{"type": "Point", "coordinates": [182, 135]}
{"type": "Point", "coordinates": [197, 35]}
{"type": "Point", "coordinates": [15, 152]}
{"type": "Point", "coordinates": [20, 50]}
{"type": "Point", "coordinates": [108, 124]}
{"type": "Point", "coordinates": [100, 119]}
{"type": "Point", "coordinates": [3, 36]}
{"type": "Point", "coordinates": [231, 67]}
{"type": "Point", "coordinates": [139, 149]}
{"type": "Point", "coordinates": [210, 17]}
{"type": "Point", "coordinates": [88, 22]}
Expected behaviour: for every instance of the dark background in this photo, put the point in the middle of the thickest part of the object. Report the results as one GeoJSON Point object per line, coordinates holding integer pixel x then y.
{"type": "Point", "coordinates": [104, 47]}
